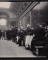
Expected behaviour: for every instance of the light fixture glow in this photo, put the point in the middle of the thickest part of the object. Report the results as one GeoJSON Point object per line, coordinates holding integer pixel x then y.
{"type": "Point", "coordinates": [3, 22]}
{"type": "Point", "coordinates": [4, 4]}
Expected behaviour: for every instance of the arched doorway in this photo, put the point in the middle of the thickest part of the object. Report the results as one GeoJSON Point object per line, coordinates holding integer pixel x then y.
{"type": "Point", "coordinates": [3, 24]}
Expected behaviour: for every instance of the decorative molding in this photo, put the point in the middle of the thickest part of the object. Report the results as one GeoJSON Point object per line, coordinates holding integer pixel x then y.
{"type": "Point", "coordinates": [12, 19]}
{"type": "Point", "coordinates": [28, 9]}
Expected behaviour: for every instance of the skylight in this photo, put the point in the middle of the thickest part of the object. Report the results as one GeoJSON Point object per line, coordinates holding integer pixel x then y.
{"type": "Point", "coordinates": [4, 4]}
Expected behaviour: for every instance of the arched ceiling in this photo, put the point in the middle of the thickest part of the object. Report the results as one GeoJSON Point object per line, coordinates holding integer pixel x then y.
{"type": "Point", "coordinates": [10, 14]}
{"type": "Point", "coordinates": [17, 8]}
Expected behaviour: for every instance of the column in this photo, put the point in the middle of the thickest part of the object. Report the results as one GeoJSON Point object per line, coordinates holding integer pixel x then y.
{"type": "Point", "coordinates": [30, 18]}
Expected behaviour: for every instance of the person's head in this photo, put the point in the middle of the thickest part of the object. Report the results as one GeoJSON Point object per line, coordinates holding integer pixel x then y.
{"type": "Point", "coordinates": [43, 25]}
{"type": "Point", "coordinates": [47, 27]}
{"type": "Point", "coordinates": [21, 27]}
{"type": "Point", "coordinates": [40, 26]}
{"type": "Point", "coordinates": [37, 24]}
{"type": "Point", "coordinates": [18, 29]}
{"type": "Point", "coordinates": [32, 28]}
{"type": "Point", "coordinates": [28, 25]}
{"type": "Point", "coordinates": [15, 27]}
{"type": "Point", "coordinates": [10, 29]}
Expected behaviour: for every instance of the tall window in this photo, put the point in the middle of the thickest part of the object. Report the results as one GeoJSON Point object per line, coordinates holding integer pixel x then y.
{"type": "Point", "coordinates": [3, 22]}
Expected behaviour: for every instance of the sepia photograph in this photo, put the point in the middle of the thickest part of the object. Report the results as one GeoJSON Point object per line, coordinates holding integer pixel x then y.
{"type": "Point", "coordinates": [23, 29]}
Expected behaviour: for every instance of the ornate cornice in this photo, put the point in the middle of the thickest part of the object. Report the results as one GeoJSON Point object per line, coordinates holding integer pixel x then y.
{"type": "Point", "coordinates": [13, 19]}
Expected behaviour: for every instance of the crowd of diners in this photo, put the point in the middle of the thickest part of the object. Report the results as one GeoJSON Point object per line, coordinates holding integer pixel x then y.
{"type": "Point", "coordinates": [39, 38]}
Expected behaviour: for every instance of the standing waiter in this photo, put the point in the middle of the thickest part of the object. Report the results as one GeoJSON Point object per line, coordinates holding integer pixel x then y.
{"type": "Point", "coordinates": [21, 35]}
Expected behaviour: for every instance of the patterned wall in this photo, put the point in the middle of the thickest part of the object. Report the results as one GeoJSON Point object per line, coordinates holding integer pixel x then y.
{"type": "Point", "coordinates": [39, 16]}
{"type": "Point", "coordinates": [23, 7]}
{"type": "Point", "coordinates": [25, 20]}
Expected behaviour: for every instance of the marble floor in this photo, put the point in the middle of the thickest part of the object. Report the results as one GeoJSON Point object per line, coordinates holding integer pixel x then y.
{"type": "Point", "coordinates": [11, 49]}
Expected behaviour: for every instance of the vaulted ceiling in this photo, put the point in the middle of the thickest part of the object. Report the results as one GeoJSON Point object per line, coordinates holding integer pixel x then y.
{"type": "Point", "coordinates": [15, 9]}
{"type": "Point", "coordinates": [12, 10]}
{"type": "Point", "coordinates": [19, 7]}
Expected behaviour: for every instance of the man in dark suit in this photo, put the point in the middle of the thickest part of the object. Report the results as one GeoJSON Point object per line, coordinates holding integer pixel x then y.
{"type": "Point", "coordinates": [14, 31]}
{"type": "Point", "coordinates": [21, 35]}
{"type": "Point", "coordinates": [8, 34]}
{"type": "Point", "coordinates": [0, 34]}
{"type": "Point", "coordinates": [39, 33]}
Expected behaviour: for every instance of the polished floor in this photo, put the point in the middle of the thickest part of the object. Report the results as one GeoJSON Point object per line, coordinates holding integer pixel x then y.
{"type": "Point", "coordinates": [11, 49]}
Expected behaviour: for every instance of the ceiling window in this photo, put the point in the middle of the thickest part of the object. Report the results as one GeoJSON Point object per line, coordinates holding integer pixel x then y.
{"type": "Point", "coordinates": [4, 4]}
